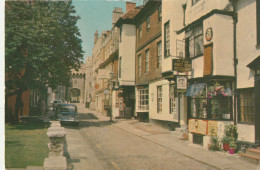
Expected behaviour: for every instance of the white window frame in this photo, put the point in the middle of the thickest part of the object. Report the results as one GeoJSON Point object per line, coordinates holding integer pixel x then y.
{"type": "Point", "coordinates": [143, 99]}
{"type": "Point", "coordinates": [159, 99]}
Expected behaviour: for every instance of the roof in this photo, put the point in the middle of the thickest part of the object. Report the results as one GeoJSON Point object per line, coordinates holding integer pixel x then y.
{"type": "Point", "coordinates": [255, 64]}
{"type": "Point", "coordinates": [128, 17]}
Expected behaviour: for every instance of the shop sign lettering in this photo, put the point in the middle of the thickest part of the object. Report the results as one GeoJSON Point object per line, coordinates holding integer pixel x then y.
{"type": "Point", "coordinates": [181, 65]}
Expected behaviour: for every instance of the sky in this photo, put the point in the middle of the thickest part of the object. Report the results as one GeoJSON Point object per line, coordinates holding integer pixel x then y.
{"type": "Point", "coordinates": [96, 15]}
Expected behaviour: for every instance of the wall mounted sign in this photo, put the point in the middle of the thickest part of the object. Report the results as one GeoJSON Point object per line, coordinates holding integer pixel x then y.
{"type": "Point", "coordinates": [181, 65]}
{"type": "Point", "coordinates": [198, 126]}
{"type": "Point", "coordinates": [212, 128]}
{"type": "Point", "coordinates": [209, 34]}
{"type": "Point", "coordinates": [181, 82]}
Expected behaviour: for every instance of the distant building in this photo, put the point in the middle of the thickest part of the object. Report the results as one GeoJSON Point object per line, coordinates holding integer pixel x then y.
{"type": "Point", "coordinates": [76, 92]}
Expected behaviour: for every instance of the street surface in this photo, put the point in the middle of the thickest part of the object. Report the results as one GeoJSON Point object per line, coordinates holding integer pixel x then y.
{"type": "Point", "coordinates": [98, 144]}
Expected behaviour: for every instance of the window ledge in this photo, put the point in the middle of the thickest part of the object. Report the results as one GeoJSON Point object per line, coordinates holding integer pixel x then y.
{"type": "Point", "coordinates": [246, 123]}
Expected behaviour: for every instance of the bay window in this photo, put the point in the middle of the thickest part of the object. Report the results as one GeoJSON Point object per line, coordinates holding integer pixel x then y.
{"type": "Point", "coordinates": [194, 42]}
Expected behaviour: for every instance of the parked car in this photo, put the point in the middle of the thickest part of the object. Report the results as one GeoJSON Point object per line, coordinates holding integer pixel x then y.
{"type": "Point", "coordinates": [67, 113]}
{"type": "Point", "coordinates": [55, 104]}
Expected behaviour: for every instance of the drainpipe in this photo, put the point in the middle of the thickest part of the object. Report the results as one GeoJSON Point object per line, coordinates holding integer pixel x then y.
{"type": "Point", "coordinates": [235, 20]}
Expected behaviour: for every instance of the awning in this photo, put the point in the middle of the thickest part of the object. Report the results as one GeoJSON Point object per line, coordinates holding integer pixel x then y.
{"type": "Point", "coordinates": [194, 89]}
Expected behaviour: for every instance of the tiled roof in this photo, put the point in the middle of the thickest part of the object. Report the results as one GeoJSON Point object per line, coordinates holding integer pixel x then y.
{"type": "Point", "coordinates": [131, 14]}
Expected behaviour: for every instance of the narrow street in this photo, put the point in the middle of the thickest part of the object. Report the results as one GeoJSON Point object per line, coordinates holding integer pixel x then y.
{"type": "Point", "coordinates": [99, 144]}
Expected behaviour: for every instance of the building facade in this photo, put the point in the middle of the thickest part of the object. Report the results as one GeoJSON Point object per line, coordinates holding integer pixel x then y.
{"type": "Point", "coordinates": [126, 65]}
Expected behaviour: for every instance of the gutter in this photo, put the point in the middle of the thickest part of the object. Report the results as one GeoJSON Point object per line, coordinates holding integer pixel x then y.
{"type": "Point", "coordinates": [235, 20]}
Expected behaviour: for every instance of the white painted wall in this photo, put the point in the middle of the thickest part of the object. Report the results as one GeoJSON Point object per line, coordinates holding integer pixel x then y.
{"type": "Point", "coordinates": [246, 42]}
{"type": "Point", "coordinates": [197, 67]}
{"type": "Point", "coordinates": [222, 27]}
{"type": "Point", "coordinates": [127, 52]}
{"type": "Point", "coordinates": [171, 11]}
{"type": "Point", "coordinates": [246, 132]}
{"type": "Point", "coordinates": [165, 114]}
{"type": "Point", "coordinates": [115, 109]}
{"type": "Point", "coordinates": [202, 8]}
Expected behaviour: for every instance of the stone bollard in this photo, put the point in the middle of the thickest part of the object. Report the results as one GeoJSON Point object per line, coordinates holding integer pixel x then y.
{"type": "Point", "coordinates": [57, 136]}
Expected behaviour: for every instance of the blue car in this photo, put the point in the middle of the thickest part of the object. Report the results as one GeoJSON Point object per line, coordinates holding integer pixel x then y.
{"type": "Point", "coordinates": [67, 113]}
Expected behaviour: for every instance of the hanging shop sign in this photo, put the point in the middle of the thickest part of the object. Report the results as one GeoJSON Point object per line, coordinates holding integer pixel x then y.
{"type": "Point", "coordinates": [181, 65]}
{"type": "Point", "coordinates": [181, 82]}
{"type": "Point", "coordinates": [198, 126]}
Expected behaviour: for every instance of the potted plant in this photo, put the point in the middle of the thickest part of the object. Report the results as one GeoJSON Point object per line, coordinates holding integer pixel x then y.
{"type": "Point", "coordinates": [232, 147]}
{"type": "Point", "coordinates": [226, 140]}
{"type": "Point", "coordinates": [214, 144]}
{"type": "Point", "coordinates": [231, 130]}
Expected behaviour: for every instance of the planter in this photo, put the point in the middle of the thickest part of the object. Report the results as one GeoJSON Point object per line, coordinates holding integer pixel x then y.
{"type": "Point", "coordinates": [225, 146]}
{"type": "Point", "coordinates": [231, 150]}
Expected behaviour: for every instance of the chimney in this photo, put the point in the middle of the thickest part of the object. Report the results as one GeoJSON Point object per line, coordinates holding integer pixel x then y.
{"type": "Point", "coordinates": [130, 5]}
{"type": "Point", "coordinates": [117, 13]}
{"type": "Point", "coordinates": [95, 37]}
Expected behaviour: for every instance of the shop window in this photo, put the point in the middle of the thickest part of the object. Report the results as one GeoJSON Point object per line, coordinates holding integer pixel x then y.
{"type": "Point", "coordinates": [143, 103]}
{"type": "Point", "coordinates": [194, 42]}
{"type": "Point", "coordinates": [167, 39]}
{"type": "Point", "coordinates": [172, 100]}
{"type": "Point", "coordinates": [246, 104]}
{"type": "Point", "coordinates": [147, 56]}
{"type": "Point", "coordinates": [148, 24]}
{"type": "Point", "coordinates": [211, 101]}
{"type": "Point", "coordinates": [159, 99]}
{"type": "Point", "coordinates": [159, 54]}
{"type": "Point", "coordinates": [160, 13]}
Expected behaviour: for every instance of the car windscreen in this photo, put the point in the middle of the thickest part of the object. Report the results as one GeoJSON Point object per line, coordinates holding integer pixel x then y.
{"type": "Point", "coordinates": [67, 108]}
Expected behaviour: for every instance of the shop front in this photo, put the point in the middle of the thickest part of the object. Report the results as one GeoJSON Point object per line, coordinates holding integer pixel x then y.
{"type": "Point", "coordinates": [210, 107]}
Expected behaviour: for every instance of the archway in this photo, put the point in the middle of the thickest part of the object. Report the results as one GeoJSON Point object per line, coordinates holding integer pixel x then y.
{"type": "Point", "coordinates": [75, 95]}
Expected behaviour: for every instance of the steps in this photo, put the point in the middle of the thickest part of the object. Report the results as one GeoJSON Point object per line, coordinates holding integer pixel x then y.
{"type": "Point", "coordinates": [181, 132]}
{"type": "Point", "coordinates": [252, 155]}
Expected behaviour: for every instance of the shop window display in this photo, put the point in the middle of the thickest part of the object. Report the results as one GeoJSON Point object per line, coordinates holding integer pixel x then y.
{"type": "Point", "coordinates": [211, 101]}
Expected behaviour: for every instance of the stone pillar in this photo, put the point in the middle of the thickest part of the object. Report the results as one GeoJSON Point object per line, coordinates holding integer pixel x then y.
{"type": "Point", "coordinates": [57, 136]}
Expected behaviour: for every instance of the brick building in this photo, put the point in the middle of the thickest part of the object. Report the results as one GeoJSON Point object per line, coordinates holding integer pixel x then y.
{"type": "Point", "coordinates": [148, 60]}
